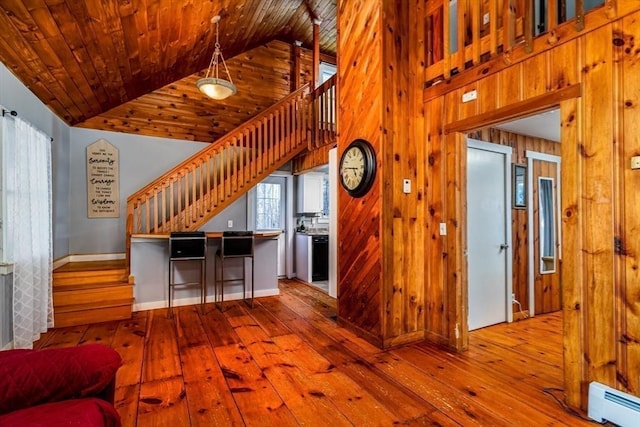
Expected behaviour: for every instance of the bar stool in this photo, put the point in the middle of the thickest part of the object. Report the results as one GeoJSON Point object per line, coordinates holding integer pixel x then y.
{"type": "Point", "coordinates": [187, 246]}
{"type": "Point", "coordinates": [234, 244]}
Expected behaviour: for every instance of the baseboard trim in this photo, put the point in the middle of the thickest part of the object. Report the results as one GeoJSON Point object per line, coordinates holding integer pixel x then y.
{"type": "Point", "coordinates": [86, 258]}
{"type": "Point", "coordinates": [196, 300]}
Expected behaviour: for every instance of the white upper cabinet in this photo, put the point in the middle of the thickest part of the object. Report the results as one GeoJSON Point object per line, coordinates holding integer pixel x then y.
{"type": "Point", "coordinates": [310, 192]}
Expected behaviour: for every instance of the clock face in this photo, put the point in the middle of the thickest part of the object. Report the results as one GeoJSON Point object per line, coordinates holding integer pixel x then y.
{"type": "Point", "coordinates": [352, 168]}
{"type": "Point", "coordinates": [358, 168]}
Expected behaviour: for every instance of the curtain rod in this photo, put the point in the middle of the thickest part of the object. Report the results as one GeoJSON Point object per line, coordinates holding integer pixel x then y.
{"type": "Point", "coordinates": [14, 113]}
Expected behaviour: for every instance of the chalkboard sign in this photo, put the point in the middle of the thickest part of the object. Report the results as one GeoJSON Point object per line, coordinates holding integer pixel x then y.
{"type": "Point", "coordinates": [103, 180]}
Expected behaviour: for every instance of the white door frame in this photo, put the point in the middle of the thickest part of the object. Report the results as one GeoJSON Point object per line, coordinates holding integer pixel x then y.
{"type": "Point", "coordinates": [531, 156]}
{"type": "Point", "coordinates": [506, 151]}
{"type": "Point", "coordinates": [289, 220]}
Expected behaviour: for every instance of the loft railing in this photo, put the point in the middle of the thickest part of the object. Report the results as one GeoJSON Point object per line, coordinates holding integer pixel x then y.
{"type": "Point", "coordinates": [464, 33]}
{"type": "Point", "coordinates": [323, 127]}
{"type": "Point", "coordinates": [323, 101]}
{"type": "Point", "coordinates": [190, 194]}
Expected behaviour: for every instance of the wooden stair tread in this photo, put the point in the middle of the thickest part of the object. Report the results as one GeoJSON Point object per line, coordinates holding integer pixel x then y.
{"type": "Point", "coordinates": [93, 305]}
{"type": "Point", "coordinates": [94, 315]}
{"type": "Point", "coordinates": [85, 286]}
{"type": "Point", "coordinates": [84, 266]}
{"type": "Point", "coordinates": [92, 291]}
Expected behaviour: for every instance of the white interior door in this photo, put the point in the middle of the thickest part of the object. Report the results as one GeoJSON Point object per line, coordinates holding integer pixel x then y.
{"type": "Point", "coordinates": [488, 236]}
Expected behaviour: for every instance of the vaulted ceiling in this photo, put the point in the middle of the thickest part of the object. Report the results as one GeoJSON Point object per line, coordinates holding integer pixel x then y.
{"type": "Point", "coordinates": [91, 61]}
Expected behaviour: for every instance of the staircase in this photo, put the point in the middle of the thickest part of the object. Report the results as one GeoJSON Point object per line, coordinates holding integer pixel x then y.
{"type": "Point", "coordinates": [89, 292]}
{"type": "Point", "coordinates": [190, 194]}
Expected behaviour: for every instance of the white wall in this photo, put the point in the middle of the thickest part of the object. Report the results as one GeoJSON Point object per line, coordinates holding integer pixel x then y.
{"type": "Point", "coordinates": [16, 96]}
{"type": "Point", "coordinates": [142, 159]}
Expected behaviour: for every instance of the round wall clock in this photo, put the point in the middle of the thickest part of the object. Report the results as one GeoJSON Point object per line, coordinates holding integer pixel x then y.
{"type": "Point", "coordinates": [358, 168]}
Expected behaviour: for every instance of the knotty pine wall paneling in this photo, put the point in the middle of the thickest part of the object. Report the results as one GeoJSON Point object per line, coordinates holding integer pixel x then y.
{"type": "Point", "coordinates": [360, 110]}
{"type": "Point", "coordinates": [546, 286]}
{"type": "Point", "coordinates": [436, 318]}
{"type": "Point", "coordinates": [597, 162]}
{"type": "Point", "coordinates": [601, 290]}
{"type": "Point", "coordinates": [403, 154]}
{"type": "Point", "coordinates": [381, 250]}
{"type": "Point", "coordinates": [627, 245]}
{"type": "Point", "coordinates": [263, 76]}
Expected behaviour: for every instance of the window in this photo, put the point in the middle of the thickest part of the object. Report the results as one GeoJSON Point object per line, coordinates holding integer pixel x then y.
{"type": "Point", "coordinates": [325, 195]}
{"type": "Point", "coordinates": [326, 71]}
{"type": "Point", "coordinates": [268, 206]}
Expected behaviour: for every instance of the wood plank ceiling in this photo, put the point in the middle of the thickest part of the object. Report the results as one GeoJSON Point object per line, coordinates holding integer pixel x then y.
{"type": "Point", "coordinates": [131, 65]}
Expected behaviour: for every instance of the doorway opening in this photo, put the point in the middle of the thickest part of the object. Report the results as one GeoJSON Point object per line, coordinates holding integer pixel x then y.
{"type": "Point", "coordinates": [514, 247]}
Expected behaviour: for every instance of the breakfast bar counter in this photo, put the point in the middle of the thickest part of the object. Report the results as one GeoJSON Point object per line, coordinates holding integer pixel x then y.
{"type": "Point", "coordinates": [150, 268]}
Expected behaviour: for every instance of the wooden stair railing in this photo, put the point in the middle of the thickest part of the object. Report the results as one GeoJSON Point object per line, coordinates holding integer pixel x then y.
{"type": "Point", "coordinates": [190, 194]}
{"type": "Point", "coordinates": [323, 127]}
{"type": "Point", "coordinates": [323, 100]}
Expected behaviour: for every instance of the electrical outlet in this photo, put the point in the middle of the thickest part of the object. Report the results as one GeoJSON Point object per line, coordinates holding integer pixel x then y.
{"type": "Point", "coordinates": [513, 298]}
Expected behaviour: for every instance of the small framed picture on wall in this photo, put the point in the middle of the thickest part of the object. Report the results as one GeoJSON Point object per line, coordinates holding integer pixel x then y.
{"type": "Point", "coordinates": [519, 186]}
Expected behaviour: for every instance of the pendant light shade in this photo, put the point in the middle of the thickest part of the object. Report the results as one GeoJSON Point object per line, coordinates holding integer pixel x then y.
{"type": "Point", "coordinates": [216, 88]}
{"type": "Point", "coordinates": [211, 84]}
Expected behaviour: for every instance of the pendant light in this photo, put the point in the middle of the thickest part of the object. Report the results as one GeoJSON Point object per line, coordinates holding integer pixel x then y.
{"type": "Point", "coordinates": [211, 84]}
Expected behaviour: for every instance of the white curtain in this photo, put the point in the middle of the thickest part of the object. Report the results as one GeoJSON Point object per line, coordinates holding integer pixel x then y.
{"type": "Point", "coordinates": [28, 229]}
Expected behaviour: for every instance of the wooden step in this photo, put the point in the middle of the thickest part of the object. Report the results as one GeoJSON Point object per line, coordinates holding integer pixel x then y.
{"type": "Point", "coordinates": [87, 293]}
{"type": "Point", "coordinates": [93, 305]}
{"type": "Point", "coordinates": [91, 276]}
{"type": "Point", "coordinates": [83, 286]}
{"type": "Point", "coordinates": [95, 291]}
{"type": "Point", "coordinates": [95, 315]}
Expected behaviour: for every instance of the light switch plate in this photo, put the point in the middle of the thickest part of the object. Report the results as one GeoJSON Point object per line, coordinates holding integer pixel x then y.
{"type": "Point", "coordinates": [229, 223]}
{"type": "Point", "coordinates": [443, 228]}
{"type": "Point", "coordinates": [635, 162]}
{"type": "Point", "coordinates": [406, 186]}
{"type": "Point", "coordinates": [485, 19]}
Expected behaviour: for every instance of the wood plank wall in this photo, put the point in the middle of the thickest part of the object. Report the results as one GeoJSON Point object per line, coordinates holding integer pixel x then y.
{"type": "Point", "coordinates": [592, 76]}
{"type": "Point", "coordinates": [382, 246]}
{"type": "Point", "coordinates": [601, 292]}
{"type": "Point", "coordinates": [403, 214]}
{"type": "Point", "coordinates": [360, 110]}
{"type": "Point", "coordinates": [547, 286]}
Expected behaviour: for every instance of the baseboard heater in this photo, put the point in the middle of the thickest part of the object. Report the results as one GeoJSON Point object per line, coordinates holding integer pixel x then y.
{"type": "Point", "coordinates": [609, 404]}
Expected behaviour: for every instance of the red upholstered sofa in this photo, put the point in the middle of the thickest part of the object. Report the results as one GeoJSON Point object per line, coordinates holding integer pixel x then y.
{"type": "Point", "coordinates": [66, 386]}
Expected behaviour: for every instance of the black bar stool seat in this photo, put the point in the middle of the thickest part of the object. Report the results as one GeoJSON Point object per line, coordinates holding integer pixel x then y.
{"type": "Point", "coordinates": [234, 244]}
{"type": "Point", "coordinates": [187, 246]}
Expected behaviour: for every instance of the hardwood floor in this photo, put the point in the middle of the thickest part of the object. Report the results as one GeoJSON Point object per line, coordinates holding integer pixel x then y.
{"type": "Point", "coordinates": [285, 362]}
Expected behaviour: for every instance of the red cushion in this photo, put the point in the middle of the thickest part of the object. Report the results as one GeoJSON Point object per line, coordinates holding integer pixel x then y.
{"type": "Point", "coordinates": [11, 353]}
{"type": "Point", "coordinates": [77, 412]}
{"type": "Point", "coordinates": [36, 377]}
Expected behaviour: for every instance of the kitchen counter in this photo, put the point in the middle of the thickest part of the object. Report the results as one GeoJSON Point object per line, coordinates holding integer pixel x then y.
{"type": "Point", "coordinates": [150, 268]}
{"type": "Point", "coordinates": [313, 233]}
